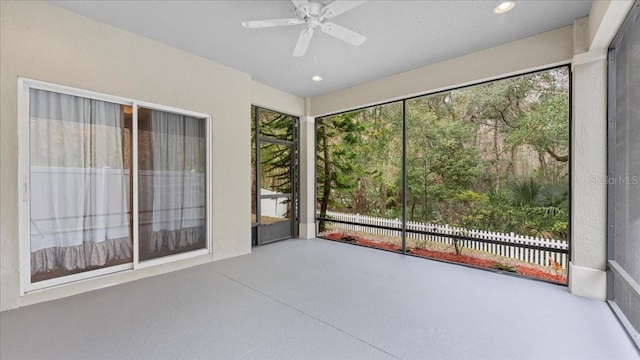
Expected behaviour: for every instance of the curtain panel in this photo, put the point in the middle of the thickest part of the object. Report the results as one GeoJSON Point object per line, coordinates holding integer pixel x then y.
{"type": "Point", "coordinates": [79, 185]}
{"type": "Point", "coordinates": [172, 190]}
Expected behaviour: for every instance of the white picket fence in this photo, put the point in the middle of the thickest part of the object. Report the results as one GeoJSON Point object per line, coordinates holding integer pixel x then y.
{"type": "Point", "coordinates": [534, 256]}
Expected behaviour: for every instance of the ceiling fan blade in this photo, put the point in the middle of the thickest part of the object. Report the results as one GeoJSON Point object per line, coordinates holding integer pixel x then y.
{"type": "Point", "coordinates": [297, 3]}
{"type": "Point", "coordinates": [338, 7]}
{"type": "Point", "coordinates": [302, 5]}
{"type": "Point", "coordinates": [343, 33]}
{"type": "Point", "coordinates": [303, 42]}
{"type": "Point", "coordinates": [271, 23]}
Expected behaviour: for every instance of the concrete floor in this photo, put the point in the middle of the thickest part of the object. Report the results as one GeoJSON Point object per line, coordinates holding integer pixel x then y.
{"type": "Point", "coordinates": [316, 299]}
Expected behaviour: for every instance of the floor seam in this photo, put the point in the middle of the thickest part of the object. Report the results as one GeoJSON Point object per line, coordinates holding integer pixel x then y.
{"type": "Point", "coordinates": [305, 314]}
{"type": "Point", "coordinates": [266, 341]}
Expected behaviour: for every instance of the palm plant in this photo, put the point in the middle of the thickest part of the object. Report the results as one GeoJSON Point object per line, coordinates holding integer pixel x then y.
{"type": "Point", "coordinates": [527, 194]}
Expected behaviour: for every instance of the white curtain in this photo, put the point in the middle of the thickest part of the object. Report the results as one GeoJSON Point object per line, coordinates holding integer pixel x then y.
{"type": "Point", "coordinates": [79, 186]}
{"type": "Point", "coordinates": [178, 183]}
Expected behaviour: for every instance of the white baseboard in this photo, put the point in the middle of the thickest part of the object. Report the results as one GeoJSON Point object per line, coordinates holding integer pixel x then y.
{"type": "Point", "coordinates": [587, 282]}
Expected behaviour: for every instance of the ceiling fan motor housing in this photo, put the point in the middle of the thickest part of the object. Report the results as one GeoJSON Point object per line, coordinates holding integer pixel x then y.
{"type": "Point", "coordinates": [310, 13]}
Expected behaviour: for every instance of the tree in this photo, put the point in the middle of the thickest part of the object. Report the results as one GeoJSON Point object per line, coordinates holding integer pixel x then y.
{"type": "Point", "coordinates": [276, 160]}
{"type": "Point", "coordinates": [379, 155]}
{"type": "Point", "coordinates": [337, 172]}
{"type": "Point", "coordinates": [545, 126]}
{"type": "Point", "coordinates": [468, 151]}
{"type": "Point", "coordinates": [441, 142]}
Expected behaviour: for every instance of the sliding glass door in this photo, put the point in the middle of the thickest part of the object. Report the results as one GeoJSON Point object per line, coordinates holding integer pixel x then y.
{"type": "Point", "coordinates": [109, 184]}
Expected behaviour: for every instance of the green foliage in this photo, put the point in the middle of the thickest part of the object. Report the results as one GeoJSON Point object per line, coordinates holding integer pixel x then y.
{"type": "Point", "coordinates": [363, 170]}
{"type": "Point", "coordinates": [557, 195]}
{"type": "Point", "coordinates": [529, 208]}
{"type": "Point", "coordinates": [337, 142]}
{"type": "Point", "coordinates": [470, 197]}
{"type": "Point", "coordinates": [544, 126]}
{"type": "Point", "coordinates": [442, 157]}
{"type": "Point", "coordinates": [468, 209]}
{"type": "Point", "coordinates": [505, 267]}
{"type": "Point", "coordinates": [276, 160]}
{"type": "Point", "coordinates": [491, 157]}
{"type": "Point", "coordinates": [528, 193]}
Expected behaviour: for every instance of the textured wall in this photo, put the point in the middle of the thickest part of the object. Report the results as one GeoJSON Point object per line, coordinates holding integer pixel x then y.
{"type": "Point", "coordinates": [589, 164]}
{"type": "Point", "coordinates": [307, 177]}
{"type": "Point", "coordinates": [536, 52]}
{"type": "Point", "coordinates": [589, 192]}
{"type": "Point", "coordinates": [274, 99]}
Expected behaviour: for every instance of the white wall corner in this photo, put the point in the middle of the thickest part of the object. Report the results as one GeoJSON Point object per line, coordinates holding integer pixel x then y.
{"type": "Point", "coordinates": [593, 35]}
{"type": "Point", "coordinates": [277, 100]}
{"type": "Point", "coordinates": [307, 106]}
{"type": "Point", "coordinates": [605, 18]}
{"type": "Point", "coordinates": [308, 119]}
{"type": "Point", "coordinates": [582, 53]}
{"type": "Point", "coordinates": [580, 35]}
{"type": "Point", "coordinates": [587, 282]}
{"type": "Point", "coordinates": [307, 228]}
{"type": "Point", "coordinates": [588, 57]}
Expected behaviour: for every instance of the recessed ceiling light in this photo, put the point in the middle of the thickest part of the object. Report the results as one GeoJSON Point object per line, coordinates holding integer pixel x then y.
{"type": "Point", "coordinates": [504, 7]}
{"type": "Point", "coordinates": [316, 78]}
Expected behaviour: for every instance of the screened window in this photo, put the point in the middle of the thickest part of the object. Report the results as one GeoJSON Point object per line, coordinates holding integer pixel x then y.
{"type": "Point", "coordinates": [624, 174]}
{"type": "Point", "coordinates": [477, 175]}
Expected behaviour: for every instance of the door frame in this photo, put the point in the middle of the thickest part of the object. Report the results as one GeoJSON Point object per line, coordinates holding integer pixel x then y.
{"type": "Point", "coordinates": [267, 233]}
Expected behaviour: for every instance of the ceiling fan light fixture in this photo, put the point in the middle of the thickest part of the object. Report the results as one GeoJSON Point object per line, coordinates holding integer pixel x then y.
{"type": "Point", "coordinates": [504, 6]}
{"type": "Point", "coordinates": [314, 15]}
{"type": "Point", "coordinates": [316, 78]}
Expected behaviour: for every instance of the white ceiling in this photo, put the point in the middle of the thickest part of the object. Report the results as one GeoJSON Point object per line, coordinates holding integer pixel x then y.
{"type": "Point", "coordinates": [402, 35]}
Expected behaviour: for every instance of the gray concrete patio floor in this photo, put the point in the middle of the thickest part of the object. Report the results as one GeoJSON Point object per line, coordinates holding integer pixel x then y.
{"type": "Point", "coordinates": [317, 299]}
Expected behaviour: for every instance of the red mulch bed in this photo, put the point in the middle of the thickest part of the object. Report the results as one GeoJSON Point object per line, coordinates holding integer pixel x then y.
{"type": "Point", "coordinates": [447, 256]}
{"type": "Point", "coordinates": [540, 274]}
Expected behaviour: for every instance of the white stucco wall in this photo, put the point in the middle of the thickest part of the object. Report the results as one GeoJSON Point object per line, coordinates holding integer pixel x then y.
{"type": "Point", "coordinates": [276, 100]}
{"type": "Point", "coordinates": [532, 53]}
{"type": "Point", "coordinates": [45, 42]}
{"type": "Point", "coordinates": [589, 169]}
{"type": "Point", "coordinates": [307, 177]}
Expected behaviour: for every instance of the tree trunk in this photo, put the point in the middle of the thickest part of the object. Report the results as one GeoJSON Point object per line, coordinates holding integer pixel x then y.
{"type": "Point", "coordinates": [543, 163]}
{"type": "Point", "coordinates": [383, 197]}
{"type": "Point", "coordinates": [561, 158]}
{"type": "Point", "coordinates": [324, 203]}
{"type": "Point", "coordinates": [412, 210]}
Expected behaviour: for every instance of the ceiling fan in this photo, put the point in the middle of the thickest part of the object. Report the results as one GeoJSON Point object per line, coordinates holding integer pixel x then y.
{"type": "Point", "coordinates": [314, 15]}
